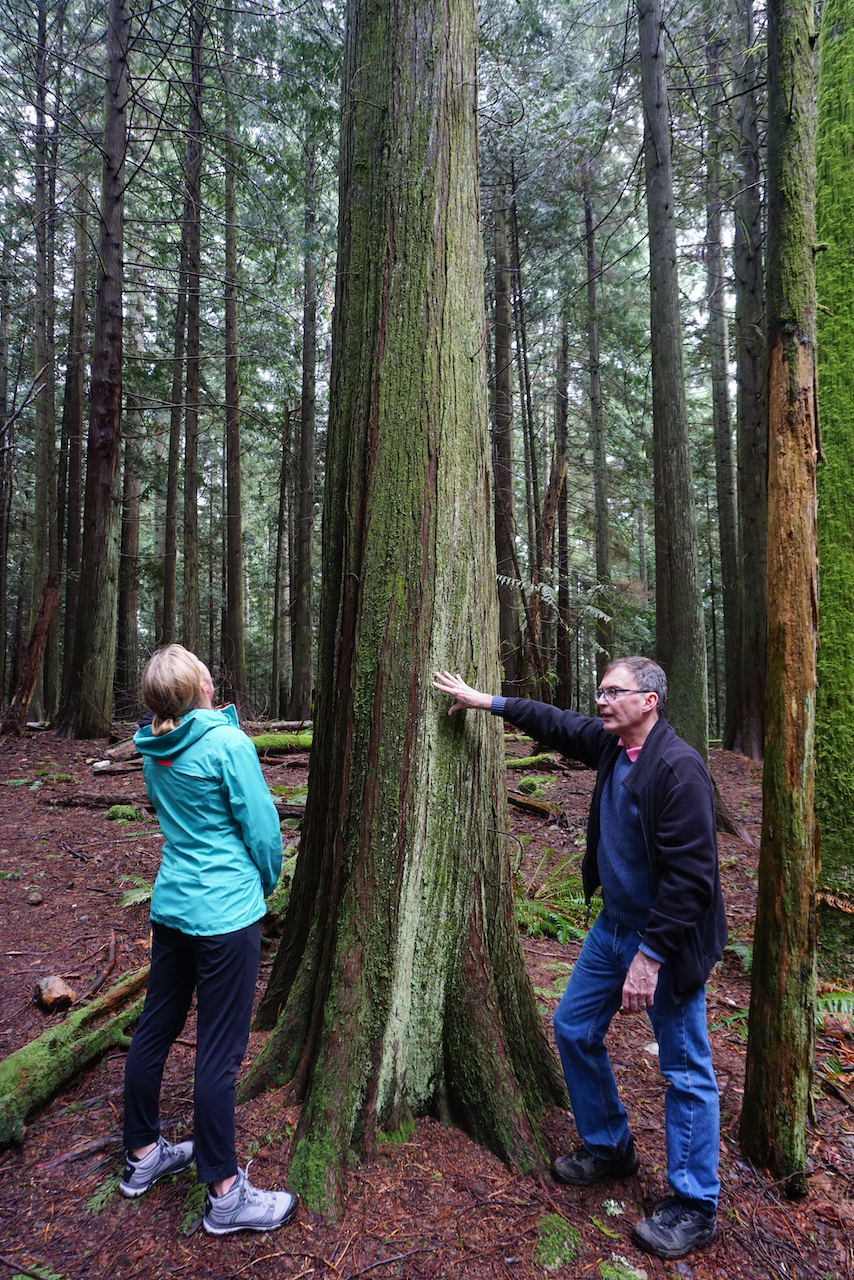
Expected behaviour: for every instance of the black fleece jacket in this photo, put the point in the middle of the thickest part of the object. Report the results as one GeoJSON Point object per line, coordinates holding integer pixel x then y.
{"type": "Point", "coordinates": [672, 790]}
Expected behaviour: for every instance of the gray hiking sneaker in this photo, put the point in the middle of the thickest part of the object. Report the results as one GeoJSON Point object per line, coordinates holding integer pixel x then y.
{"type": "Point", "coordinates": [675, 1227]}
{"type": "Point", "coordinates": [139, 1175]}
{"type": "Point", "coordinates": [246, 1208]}
{"type": "Point", "coordinates": [581, 1168]}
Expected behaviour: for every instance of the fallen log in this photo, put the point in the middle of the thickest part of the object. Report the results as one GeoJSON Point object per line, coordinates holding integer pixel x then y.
{"type": "Point", "coordinates": [542, 808]}
{"type": "Point", "coordinates": [277, 744]}
{"type": "Point", "coordinates": [534, 762]}
{"type": "Point", "coordinates": [33, 1074]}
{"type": "Point", "coordinates": [123, 751]}
{"type": "Point", "coordinates": [726, 821]}
{"type": "Point", "coordinates": [95, 799]}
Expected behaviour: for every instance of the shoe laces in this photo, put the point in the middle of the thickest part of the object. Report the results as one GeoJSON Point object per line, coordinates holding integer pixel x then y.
{"type": "Point", "coordinates": [669, 1211]}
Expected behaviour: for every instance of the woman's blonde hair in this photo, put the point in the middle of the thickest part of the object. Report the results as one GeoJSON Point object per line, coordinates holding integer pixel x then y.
{"type": "Point", "coordinates": [170, 686]}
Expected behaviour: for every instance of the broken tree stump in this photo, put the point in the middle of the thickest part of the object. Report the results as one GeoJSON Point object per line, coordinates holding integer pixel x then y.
{"type": "Point", "coordinates": [34, 1073]}
{"type": "Point", "coordinates": [15, 719]}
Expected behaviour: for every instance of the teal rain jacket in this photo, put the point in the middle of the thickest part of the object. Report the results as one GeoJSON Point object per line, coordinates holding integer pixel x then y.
{"type": "Point", "coordinates": [223, 848]}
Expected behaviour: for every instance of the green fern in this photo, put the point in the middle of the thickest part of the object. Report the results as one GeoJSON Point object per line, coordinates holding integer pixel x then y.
{"type": "Point", "coordinates": [104, 1195]}
{"type": "Point", "coordinates": [141, 891]}
{"type": "Point", "coordinates": [839, 1003]}
{"type": "Point", "coordinates": [744, 951]}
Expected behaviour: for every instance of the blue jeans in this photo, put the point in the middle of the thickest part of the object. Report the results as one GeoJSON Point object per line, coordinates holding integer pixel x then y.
{"type": "Point", "coordinates": [691, 1108]}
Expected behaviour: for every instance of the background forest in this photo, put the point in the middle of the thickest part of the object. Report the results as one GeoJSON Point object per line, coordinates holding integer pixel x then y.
{"type": "Point", "coordinates": [228, 136]}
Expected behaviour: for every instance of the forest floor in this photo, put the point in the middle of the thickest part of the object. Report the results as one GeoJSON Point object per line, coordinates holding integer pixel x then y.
{"type": "Point", "coordinates": [434, 1206]}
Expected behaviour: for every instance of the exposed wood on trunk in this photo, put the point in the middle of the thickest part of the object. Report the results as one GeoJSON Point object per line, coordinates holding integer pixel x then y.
{"type": "Point", "coordinates": [778, 1077]}
{"type": "Point", "coordinates": [15, 719]}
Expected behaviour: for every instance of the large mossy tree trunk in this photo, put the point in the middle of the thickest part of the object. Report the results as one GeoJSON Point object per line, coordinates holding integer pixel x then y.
{"type": "Point", "coordinates": [680, 634]}
{"type": "Point", "coordinates": [402, 985]}
{"type": "Point", "coordinates": [782, 1006]}
{"type": "Point", "coordinates": [835, 216]}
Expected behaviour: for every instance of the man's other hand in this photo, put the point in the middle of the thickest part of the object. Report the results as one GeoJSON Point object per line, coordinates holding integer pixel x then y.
{"type": "Point", "coordinates": [465, 697]}
{"type": "Point", "coordinates": [640, 984]}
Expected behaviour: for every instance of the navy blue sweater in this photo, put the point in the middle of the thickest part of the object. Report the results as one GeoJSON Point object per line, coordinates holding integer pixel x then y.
{"type": "Point", "coordinates": [673, 792]}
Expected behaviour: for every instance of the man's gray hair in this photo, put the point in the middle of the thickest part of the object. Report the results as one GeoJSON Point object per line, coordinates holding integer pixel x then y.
{"type": "Point", "coordinates": [648, 674]}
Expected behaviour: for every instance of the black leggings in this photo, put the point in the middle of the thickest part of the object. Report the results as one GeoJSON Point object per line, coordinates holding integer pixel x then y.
{"type": "Point", "coordinates": [222, 969]}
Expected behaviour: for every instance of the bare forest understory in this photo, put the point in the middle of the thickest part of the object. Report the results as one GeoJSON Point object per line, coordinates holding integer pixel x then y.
{"type": "Point", "coordinates": [433, 1205]}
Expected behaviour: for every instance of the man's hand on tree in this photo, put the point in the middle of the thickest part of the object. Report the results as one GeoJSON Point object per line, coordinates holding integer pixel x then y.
{"type": "Point", "coordinates": [640, 984]}
{"type": "Point", "coordinates": [465, 697]}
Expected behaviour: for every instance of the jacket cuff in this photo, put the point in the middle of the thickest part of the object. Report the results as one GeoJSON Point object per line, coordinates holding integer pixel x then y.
{"type": "Point", "coordinates": [498, 705]}
{"type": "Point", "coordinates": [653, 955]}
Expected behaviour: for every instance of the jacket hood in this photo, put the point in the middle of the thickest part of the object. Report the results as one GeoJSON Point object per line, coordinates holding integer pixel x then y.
{"type": "Point", "coordinates": [194, 725]}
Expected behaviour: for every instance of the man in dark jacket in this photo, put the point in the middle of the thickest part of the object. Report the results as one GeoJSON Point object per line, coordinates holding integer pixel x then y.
{"type": "Point", "coordinates": [651, 845]}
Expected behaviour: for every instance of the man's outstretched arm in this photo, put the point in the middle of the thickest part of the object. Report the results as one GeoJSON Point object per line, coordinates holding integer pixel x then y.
{"type": "Point", "coordinates": [465, 697]}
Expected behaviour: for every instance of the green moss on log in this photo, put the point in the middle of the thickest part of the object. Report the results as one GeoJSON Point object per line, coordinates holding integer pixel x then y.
{"type": "Point", "coordinates": [272, 744]}
{"type": "Point", "coordinates": [33, 1074]}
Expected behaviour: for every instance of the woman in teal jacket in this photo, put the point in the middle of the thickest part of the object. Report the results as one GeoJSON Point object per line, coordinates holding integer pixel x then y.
{"type": "Point", "coordinates": [222, 854]}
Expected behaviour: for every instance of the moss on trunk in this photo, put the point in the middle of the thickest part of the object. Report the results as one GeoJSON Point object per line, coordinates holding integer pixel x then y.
{"type": "Point", "coordinates": [782, 1009]}
{"type": "Point", "coordinates": [401, 924]}
{"type": "Point", "coordinates": [835, 216]}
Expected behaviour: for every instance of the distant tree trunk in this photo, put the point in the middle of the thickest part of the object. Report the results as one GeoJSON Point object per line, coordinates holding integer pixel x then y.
{"type": "Point", "coordinates": [642, 563]}
{"type": "Point", "coordinates": [127, 646]}
{"type": "Point", "coordinates": [725, 472]}
{"type": "Point", "coordinates": [281, 612]}
{"type": "Point", "coordinates": [87, 711]}
{"type": "Point", "coordinates": [403, 984]}
{"type": "Point", "coordinates": [169, 625]}
{"type": "Point", "coordinates": [563, 692]}
{"type": "Point", "coordinates": [509, 619]}
{"type": "Point", "coordinates": [680, 633]}
{"type": "Point", "coordinates": [782, 1007]}
{"type": "Point", "coordinates": [191, 630]}
{"type": "Point", "coordinates": [605, 625]}
{"type": "Point", "coordinates": [44, 514]}
{"type": "Point", "coordinates": [72, 432]}
{"type": "Point", "coordinates": [234, 644]}
{"type": "Point", "coordinates": [834, 766]}
{"type": "Point", "coordinates": [302, 631]}
{"type": "Point", "coordinates": [5, 455]}
{"type": "Point", "coordinates": [751, 364]}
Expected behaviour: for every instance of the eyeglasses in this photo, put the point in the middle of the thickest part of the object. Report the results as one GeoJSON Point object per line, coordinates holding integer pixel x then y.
{"type": "Point", "coordinates": [612, 693]}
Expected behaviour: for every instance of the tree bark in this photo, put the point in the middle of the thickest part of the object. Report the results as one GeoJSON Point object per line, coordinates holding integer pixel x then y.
{"type": "Point", "coordinates": [45, 546]}
{"type": "Point", "coordinates": [725, 473]}
{"type": "Point", "coordinates": [751, 365]}
{"type": "Point", "coordinates": [5, 455]}
{"type": "Point", "coordinates": [403, 984]}
{"type": "Point", "coordinates": [233, 658]}
{"type": "Point", "coordinates": [680, 633]}
{"type": "Point", "coordinates": [127, 640]}
{"type": "Point", "coordinates": [72, 432]}
{"type": "Point", "coordinates": [302, 631]}
{"type": "Point", "coordinates": [563, 693]}
{"type": "Point", "coordinates": [782, 1009]}
{"type": "Point", "coordinates": [191, 630]}
{"type": "Point", "coordinates": [281, 612]}
{"type": "Point", "coordinates": [509, 615]}
{"type": "Point", "coordinates": [15, 719]}
{"type": "Point", "coordinates": [604, 625]}
{"type": "Point", "coordinates": [835, 215]}
{"type": "Point", "coordinates": [87, 711]}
